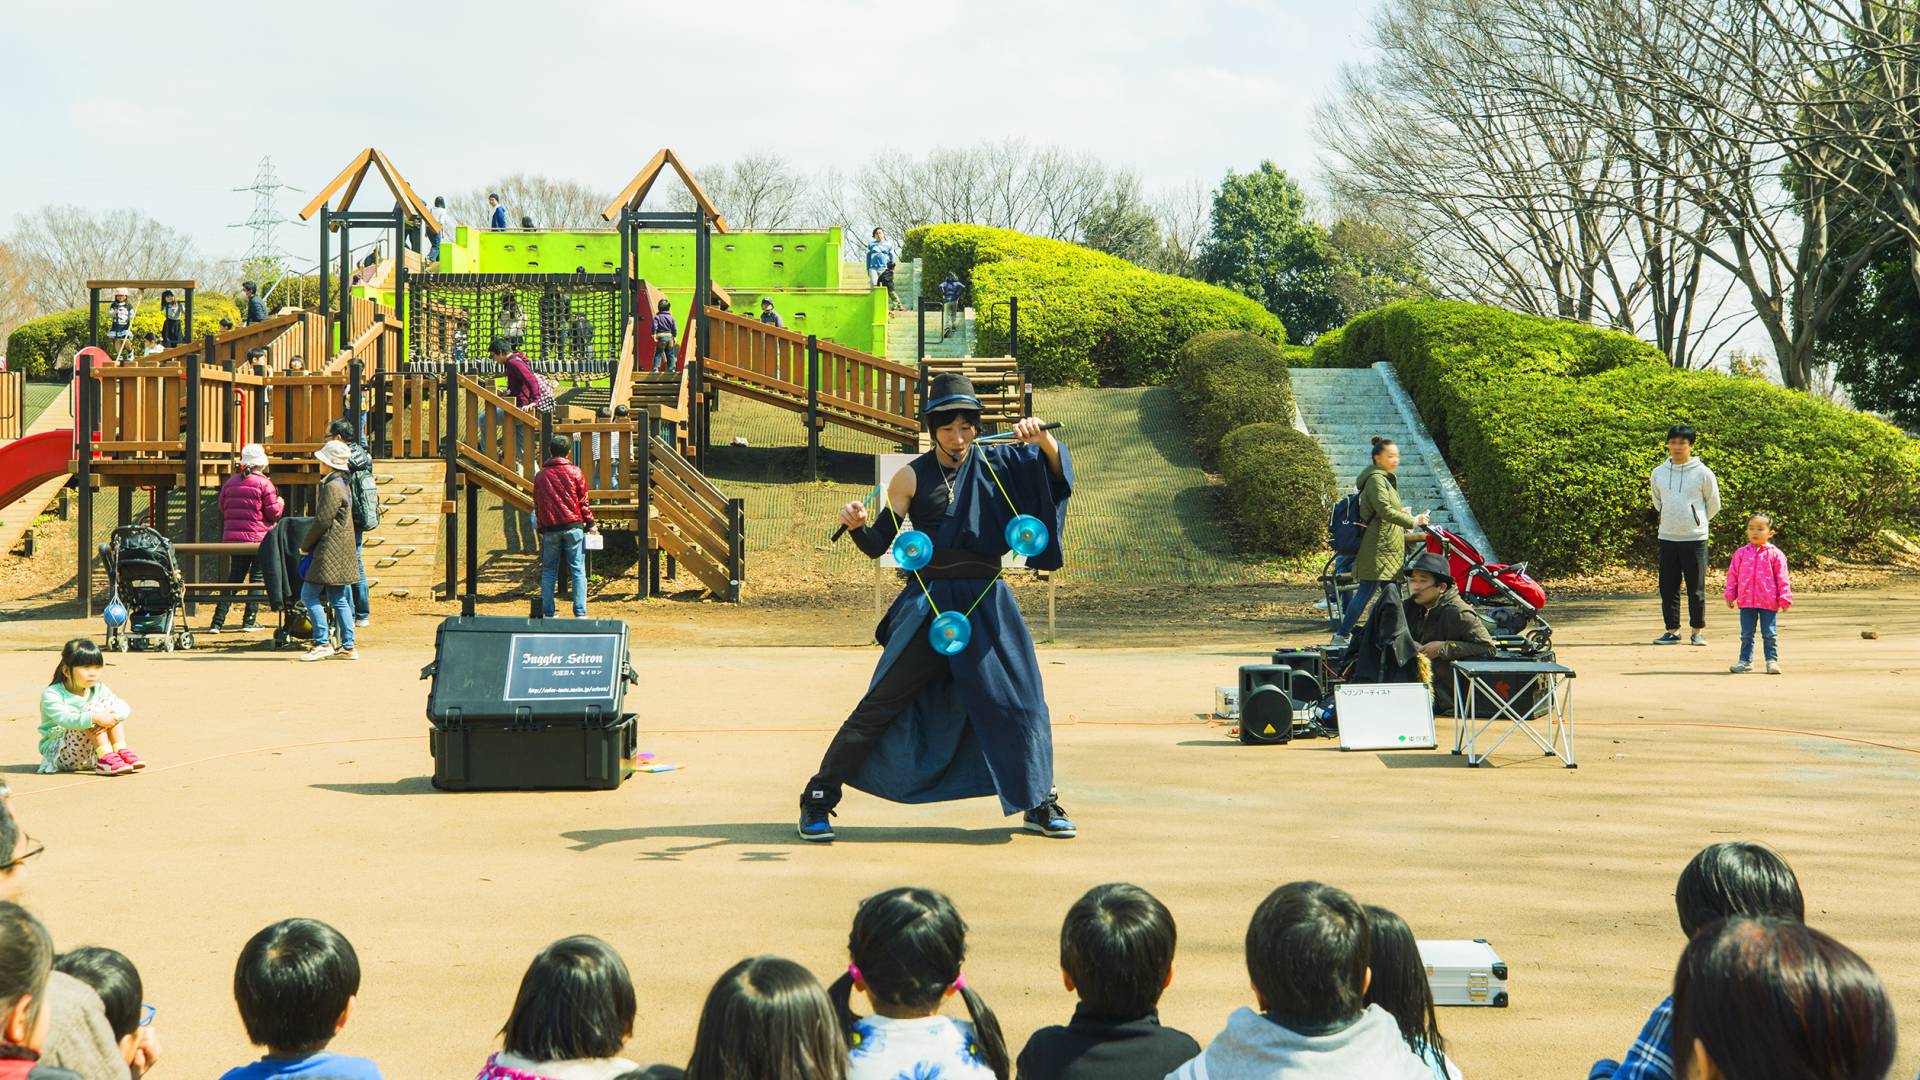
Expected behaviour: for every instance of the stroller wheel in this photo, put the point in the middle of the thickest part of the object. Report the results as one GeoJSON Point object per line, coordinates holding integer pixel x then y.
{"type": "Point", "coordinates": [167, 643]}
{"type": "Point", "coordinates": [279, 639]}
{"type": "Point", "coordinates": [186, 640]}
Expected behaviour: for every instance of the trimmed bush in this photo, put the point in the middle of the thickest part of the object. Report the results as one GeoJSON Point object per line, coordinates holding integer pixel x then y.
{"type": "Point", "coordinates": [1280, 486]}
{"type": "Point", "coordinates": [1229, 378]}
{"type": "Point", "coordinates": [1553, 427]}
{"type": "Point", "coordinates": [38, 346]}
{"type": "Point", "coordinates": [1086, 318]}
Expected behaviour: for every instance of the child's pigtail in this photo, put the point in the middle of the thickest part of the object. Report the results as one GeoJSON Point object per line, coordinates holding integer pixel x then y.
{"type": "Point", "coordinates": [841, 994]}
{"type": "Point", "coordinates": [986, 1029]}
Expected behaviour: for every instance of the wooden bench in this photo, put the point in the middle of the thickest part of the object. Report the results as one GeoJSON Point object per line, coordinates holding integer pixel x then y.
{"type": "Point", "coordinates": [229, 591]}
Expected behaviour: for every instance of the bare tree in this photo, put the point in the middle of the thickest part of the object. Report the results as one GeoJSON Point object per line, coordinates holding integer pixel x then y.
{"type": "Point", "coordinates": [552, 202]}
{"type": "Point", "coordinates": [1184, 212]}
{"type": "Point", "coordinates": [1705, 92]}
{"type": "Point", "coordinates": [58, 248]}
{"type": "Point", "coordinates": [759, 191]}
{"type": "Point", "coordinates": [16, 303]}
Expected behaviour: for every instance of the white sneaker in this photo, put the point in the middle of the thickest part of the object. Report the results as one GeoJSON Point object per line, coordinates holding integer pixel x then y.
{"type": "Point", "coordinates": [1773, 667]}
{"type": "Point", "coordinates": [318, 652]}
{"type": "Point", "coordinates": [1339, 641]}
{"type": "Point", "coordinates": [362, 622]}
{"type": "Point", "coordinates": [347, 654]}
{"type": "Point", "coordinates": [1699, 638]}
{"type": "Point", "coordinates": [1321, 604]}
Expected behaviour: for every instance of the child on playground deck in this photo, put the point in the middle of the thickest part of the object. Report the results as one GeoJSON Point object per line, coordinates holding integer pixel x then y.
{"type": "Point", "coordinates": [1758, 584]}
{"type": "Point", "coordinates": [82, 723]}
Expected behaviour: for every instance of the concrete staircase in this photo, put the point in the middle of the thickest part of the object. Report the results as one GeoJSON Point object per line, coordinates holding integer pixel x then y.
{"type": "Point", "coordinates": [903, 327]}
{"type": "Point", "coordinates": [402, 553]}
{"type": "Point", "coordinates": [1344, 408]}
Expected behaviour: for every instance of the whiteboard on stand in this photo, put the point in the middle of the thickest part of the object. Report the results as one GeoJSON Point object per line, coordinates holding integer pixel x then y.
{"type": "Point", "coordinates": [1384, 716]}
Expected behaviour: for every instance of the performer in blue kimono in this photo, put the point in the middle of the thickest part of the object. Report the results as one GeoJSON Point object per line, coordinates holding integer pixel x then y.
{"type": "Point", "coordinates": [934, 727]}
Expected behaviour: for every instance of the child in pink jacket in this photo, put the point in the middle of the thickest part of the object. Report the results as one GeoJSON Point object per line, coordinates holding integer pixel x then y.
{"type": "Point", "coordinates": [1757, 584]}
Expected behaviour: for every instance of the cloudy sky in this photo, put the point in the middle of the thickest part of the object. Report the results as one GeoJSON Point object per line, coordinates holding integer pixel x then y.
{"type": "Point", "coordinates": [166, 108]}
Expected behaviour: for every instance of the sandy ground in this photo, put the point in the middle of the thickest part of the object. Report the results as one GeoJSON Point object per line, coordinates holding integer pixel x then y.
{"type": "Point", "coordinates": [286, 789]}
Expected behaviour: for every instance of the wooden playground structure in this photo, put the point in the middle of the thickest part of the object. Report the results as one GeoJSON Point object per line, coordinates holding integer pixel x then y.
{"type": "Point", "coordinates": [176, 420]}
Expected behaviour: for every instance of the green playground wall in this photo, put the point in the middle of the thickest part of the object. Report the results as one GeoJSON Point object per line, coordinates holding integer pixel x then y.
{"type": "Point", "coordinates": [801, 270]}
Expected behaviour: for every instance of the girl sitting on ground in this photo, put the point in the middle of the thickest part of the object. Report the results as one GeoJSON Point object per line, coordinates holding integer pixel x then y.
{"type": "Point", "coordinates": [1399, 985]}
{"type": "Point", "coordinates": [907, 946]}
{"type": "Point", "coordinates": [767, 1018]}
{"type": "Point", "coordinates": [574, 1012]}
{"type": "Point", "coordinates": [82, 724]}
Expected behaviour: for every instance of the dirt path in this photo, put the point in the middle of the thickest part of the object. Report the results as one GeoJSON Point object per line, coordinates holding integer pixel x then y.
{"type": "Point", "coordinates": [280, 789]}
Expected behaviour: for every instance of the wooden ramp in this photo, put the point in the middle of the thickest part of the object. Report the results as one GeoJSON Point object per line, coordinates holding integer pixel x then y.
{"type": "Point", "coordinates": [833, 383]}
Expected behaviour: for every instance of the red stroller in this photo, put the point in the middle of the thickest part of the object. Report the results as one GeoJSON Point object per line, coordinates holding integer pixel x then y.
{"type": "Point", "coordinates": [1506, 597]}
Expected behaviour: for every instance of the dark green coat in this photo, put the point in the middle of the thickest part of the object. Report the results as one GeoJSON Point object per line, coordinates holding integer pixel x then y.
{"type": "Point", "coordinates": [1383, 550]}
{"type": "Point", "coordinates": [1451, 620]}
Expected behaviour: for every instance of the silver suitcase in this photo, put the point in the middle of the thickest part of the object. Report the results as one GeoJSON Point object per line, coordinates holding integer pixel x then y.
{"type": "Point", "coordinates": [1465, 972]}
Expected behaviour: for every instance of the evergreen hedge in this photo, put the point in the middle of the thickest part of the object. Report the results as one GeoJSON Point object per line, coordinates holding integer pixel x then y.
{"type": "Point", "coordinates": [1280, 486]}
{"type": "Point", "coordinates": [1553, 427]}
{"type": "Point", "coordinates": [1227, 379]}
{"type": "Point", "coordinates": [1086, 318]}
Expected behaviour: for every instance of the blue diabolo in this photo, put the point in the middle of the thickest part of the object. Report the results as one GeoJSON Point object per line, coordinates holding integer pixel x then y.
{"type": "Point", "coordinates": [1027, 535]}
{"type": "Point", "coordinates": [949, 633]}
{"type": "Point", "coordinates": [912, 549]}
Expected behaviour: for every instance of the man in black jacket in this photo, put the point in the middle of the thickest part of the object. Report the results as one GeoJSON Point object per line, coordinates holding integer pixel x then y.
{"type": "Point", "coordinates": [1443, 625]}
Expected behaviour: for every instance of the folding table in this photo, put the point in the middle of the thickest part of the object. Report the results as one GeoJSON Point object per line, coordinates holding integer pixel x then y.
{"type": "Point", "coordinates": [1514, 688]}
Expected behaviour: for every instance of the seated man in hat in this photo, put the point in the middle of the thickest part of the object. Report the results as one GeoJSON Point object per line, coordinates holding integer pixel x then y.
{"type": "Point", "coordinates": [936, 725]}
{"type": "Point", "coordinates": [1443, 625]}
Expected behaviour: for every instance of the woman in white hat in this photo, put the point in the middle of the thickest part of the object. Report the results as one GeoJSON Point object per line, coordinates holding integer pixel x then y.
{"type": "Point", "coordinates": [331, 565]}
{"type": "Point", "coordinates": [249, 506]}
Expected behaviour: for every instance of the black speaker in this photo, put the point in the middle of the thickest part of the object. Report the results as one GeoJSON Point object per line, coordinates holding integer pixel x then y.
{"type": "Point", "coordinates": [1306, 686]}
{"type": "Point", "coordinates": [1267, 704]}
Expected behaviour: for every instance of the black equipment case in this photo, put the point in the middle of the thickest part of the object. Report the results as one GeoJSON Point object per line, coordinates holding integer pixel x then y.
{"type": "Point", "coordinates": [530, 704]}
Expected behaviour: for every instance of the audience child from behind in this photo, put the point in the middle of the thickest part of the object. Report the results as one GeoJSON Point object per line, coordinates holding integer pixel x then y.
{"type": "Point", "coordinates": [1308, 950]}
{"type": "Point", "coordinates": [573, 1013]}
{"type": "Point", "coordinates": [26, 962]}
{"type": "Point", "coordinates": [1116, 953]}
{"type": "Point", "coordinates": [1759, 585]}
{"type": "Point", "coordinates": [295, 984]}
{"type": "Point", "coordinates": [83, 726]}
{"type": "Point", "coordinates": [766, 1018]}
{"type": "Point", "coordinates": [1399, 985]}
{"type": "Point", "coordinates": [1734, 878]}
{"type": "Point", "coordinates": [111, 975]}
{"type": "Point", "coordinates": [907, 946]}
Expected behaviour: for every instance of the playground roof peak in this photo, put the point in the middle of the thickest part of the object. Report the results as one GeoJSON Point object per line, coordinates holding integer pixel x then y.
{"type": "Point", "coordinates": [356, 171]}
{"type": "Point", "coordinates": [635, 192]}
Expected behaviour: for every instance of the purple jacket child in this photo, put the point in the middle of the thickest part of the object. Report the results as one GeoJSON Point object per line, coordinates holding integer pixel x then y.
{"type": "Point", "coordinates": [1757, 578]}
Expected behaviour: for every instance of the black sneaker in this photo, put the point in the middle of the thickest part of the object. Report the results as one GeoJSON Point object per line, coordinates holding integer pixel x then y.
{"type": "Point", "coordinates": [1050, 819]}
{"type": "Point", "coordinates": [816, 807]}
{"type": "Point", "coordinates": [1671, 637]}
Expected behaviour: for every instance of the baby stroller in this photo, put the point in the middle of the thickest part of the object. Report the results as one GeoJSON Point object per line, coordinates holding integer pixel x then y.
{"type": "Point", "coordinates": [1505, 596]}
{"type": "Point", "coordinates": [144, 579]}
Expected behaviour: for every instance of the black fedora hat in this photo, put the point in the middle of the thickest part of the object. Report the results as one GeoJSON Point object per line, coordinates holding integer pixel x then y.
{"type": "Point", "coordinates": [950, 391]}
{"type": "Point", "coordinates": [1434, 564]}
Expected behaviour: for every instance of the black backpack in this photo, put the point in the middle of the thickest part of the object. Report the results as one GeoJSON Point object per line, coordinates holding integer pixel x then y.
{"type": "Point", "coordinates": [1345, 530]}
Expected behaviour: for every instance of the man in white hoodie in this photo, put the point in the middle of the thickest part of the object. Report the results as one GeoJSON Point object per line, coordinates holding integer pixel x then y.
{"type": "Point", "coordinates": [1687, 496]}
{"type": "Point", "coordinates": [1307, 953]}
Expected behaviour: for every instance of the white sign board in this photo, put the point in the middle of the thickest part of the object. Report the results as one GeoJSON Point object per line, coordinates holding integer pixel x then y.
{"type": "Point", "coordinates": [1384, 716]}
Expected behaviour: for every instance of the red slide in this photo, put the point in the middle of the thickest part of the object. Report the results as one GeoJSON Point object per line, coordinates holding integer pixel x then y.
{"type": "Point", "coordinates": [27, 463]}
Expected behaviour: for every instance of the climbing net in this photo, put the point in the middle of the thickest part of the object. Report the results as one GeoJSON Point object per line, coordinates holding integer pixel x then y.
{"type": "Point", "coordinates": [566, 324]}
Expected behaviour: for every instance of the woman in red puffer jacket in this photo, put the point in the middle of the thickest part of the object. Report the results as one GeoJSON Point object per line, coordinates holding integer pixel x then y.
{"type": "Point", "coordinates": [249, 506]}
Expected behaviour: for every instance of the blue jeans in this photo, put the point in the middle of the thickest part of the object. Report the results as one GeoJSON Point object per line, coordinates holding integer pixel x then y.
{"type": "Point", "coordinates": [359, 591]}
{"type": "Point", "coordinates": [322, 600]}
{"type": "Point", "coordinates": [1363, 591]}
{"type": "Point", "coordinates": [1751, 619]}
{"type": "Point", "coordinates": [569, 546]}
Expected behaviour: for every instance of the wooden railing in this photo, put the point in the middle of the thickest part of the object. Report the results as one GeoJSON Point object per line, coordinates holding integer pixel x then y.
{"type": "Point", "coordinates": [707, 534]}
{"type": "Point", "coordinates": [621, 391]}
{"type": "Point", "coordinates": [381, 347]}
{"type": "Point", "coordinates": [498, 441]}
{"type": "Point", "coordinates": [286, 336]}
{"type": "Point", "coordinates": [13, 403]}
{"type": "Point", "coordinates": [773, 360]}
{"type": "Point", "coordinates": [407, 411]}
{"type": "Point", "coordinates": [300, 408]}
